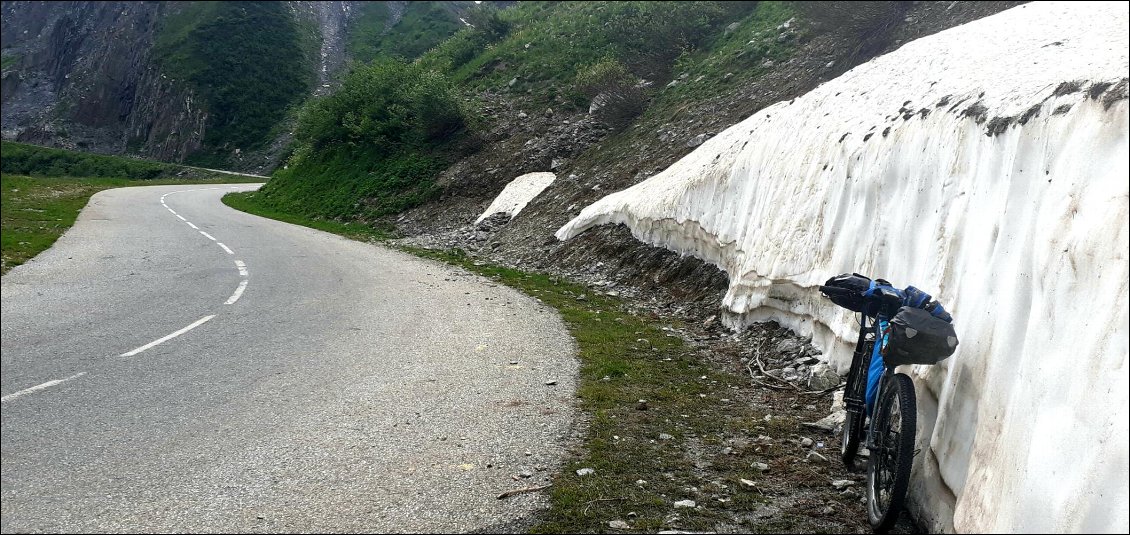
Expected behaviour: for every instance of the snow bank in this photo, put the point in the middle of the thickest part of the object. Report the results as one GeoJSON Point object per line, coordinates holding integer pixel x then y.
{"type": "Point", "coordinates": [986, 164]}
{"type": "Point", "coordinates": [517, 194]}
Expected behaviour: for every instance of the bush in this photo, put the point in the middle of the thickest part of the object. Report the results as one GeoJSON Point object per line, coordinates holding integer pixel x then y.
{"type": "Point", "coordinates": [614, 96]}
{"type": "Point", "coordinates": [386, 105]}
{"type": "Point", "coordinates": [371, 148]}
{"type": "Point", "coordinates": [31, 160]}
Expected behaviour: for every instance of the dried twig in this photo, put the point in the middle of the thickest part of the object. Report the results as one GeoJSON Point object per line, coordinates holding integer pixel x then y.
{"type": "Point", "coordinates": [589, 503]}
{"type": "Point", "coordinates": [510, 493]}
{"type": "Point", "coordinates": [761, 366]}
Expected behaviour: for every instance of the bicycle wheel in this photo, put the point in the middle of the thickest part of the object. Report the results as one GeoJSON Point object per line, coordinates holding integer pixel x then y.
{"type": "Point", "coordinates": [888, 472]}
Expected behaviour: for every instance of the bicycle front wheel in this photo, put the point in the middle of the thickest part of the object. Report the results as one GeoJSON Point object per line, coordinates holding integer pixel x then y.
{"type": "Point", "coordinates": [888, 469]}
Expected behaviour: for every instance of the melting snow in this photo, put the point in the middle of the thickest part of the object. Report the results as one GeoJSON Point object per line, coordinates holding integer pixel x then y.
{"type": "Point", "coordinates": [986, 164]}
{"type": "Point", "coordinates": [517, 194]}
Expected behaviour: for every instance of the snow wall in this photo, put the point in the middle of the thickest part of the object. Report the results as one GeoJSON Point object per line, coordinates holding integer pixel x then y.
{"type": "Point", "coordinates": [517, 194]}
{"type": "Point", "coordinates": [987, 165]}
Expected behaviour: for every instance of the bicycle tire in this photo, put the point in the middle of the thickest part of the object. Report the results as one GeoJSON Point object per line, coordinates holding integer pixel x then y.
{"type": "Point", "coordinates": [852, 436]}
{"type": "Point", "coordinates": [890, 462]}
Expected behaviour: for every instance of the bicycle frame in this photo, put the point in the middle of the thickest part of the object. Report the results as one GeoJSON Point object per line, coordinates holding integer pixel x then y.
{"type": "Point", "coordinates": [855, 401]}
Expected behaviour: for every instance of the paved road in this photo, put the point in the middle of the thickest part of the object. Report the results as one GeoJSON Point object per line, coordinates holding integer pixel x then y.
{"type": "Point", "coordinates": [325, 384]}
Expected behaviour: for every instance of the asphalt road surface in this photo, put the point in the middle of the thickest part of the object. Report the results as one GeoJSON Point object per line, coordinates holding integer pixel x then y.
{"type": "Point", "coordinates": [172, 364]}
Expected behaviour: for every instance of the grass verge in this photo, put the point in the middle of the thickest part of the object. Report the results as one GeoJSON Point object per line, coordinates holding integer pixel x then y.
{"type": "Point", "coordinates": [688, 441]}
{"type": "Point", "coordinates": [37, 210]}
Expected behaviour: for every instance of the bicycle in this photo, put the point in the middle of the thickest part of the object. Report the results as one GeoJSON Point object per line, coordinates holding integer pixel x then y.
{"type": "Point", "coordinates": [890, 433]}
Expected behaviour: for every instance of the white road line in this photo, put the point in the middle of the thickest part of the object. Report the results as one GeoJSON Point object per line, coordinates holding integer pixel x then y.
{"type": "Point", "coordinates": [242, 267]}
{"type": "Point", "coordinates": [238, 292]}
{"type": "Point", "coordinates": [164, 339]}
{"type": "Point", "coordinates": [225, 248]}
{"type": "Point", "coordinates": [193, 226]}
{"type": "Point", "coordinates": [209, 236]}
{"type": "Point", "coordinates": [48, 384]}
{"type": "Point", "coordinates": [182, 218]}
{"type": "Point", "coordinates": [174, 212]}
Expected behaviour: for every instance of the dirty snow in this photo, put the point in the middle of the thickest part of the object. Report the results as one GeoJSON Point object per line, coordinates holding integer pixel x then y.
{"type": "Point", "coordinates": [1020, 229]}
{"type": "Point", "coordinates": [517, 194]}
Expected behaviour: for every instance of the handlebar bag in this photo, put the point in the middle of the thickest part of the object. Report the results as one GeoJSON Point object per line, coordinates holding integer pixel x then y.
{"type": "Point", "coordinates": [847, 290]}
{"type": "Point", "coordinates": [917, 337]}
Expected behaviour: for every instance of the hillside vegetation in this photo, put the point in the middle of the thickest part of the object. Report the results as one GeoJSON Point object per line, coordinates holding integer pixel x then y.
{"type": "Point", "coordinates": [250, 62]}
{"type": "Point", "coordinates": [421, 26]}
{"type": "Point", "coordinates": [376, 146]}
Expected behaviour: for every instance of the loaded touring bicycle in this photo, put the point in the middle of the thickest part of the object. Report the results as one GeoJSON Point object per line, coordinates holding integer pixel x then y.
{"type": "Point", "coordinates": [896, 327]}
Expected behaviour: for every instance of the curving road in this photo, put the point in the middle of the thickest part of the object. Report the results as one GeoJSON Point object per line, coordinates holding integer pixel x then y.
{"type": "Point", "coordinates": [172, 364]}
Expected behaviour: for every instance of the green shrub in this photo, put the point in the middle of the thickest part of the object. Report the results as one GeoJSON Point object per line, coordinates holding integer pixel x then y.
{"type": "Point", "coordinates": [613, 93]}
{"type": "Point", "coordinates": [373, 147]}
{"type": "Point", "coordinates": [31, 160]}
{"type": "Point", "coordinates": [387, 104]}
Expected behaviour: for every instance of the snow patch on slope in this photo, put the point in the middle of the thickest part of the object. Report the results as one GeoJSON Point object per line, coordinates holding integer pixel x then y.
{"type": "Point", "coordinates": [517, 194]}
{"type": "Point", "coordinates": [986, 164]}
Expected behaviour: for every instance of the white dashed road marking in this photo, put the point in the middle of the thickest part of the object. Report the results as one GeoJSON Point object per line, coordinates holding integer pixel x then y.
{"type": "Point", "coordinates": [238, 292]}
{"type": "Point", "coordinates": [231, 300]}
{"type": "Point", "coordinates": [166, 338]}
{"type": "Point", "coordinates": [48, 384]}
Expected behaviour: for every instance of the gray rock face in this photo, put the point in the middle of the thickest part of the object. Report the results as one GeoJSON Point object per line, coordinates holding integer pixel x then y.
{"type": "Point", "coordinates": [86, 77]}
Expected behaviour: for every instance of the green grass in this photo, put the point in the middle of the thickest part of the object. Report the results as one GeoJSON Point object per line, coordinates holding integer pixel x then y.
{"type": "Point", "coordinates": [422, 26]}
{"type": "Point", "coordinates": [7, 60]}
{"type": "Point", "coordinates": [35, 211]}
{"type": "Point", "coordinates": [247, 202]}
{"type": "Point", "coordinates": [625, 357]}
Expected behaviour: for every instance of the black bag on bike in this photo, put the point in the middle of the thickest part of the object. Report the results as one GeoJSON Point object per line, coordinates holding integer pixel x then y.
{"type": "Point", "coordinates": [917, 337]}
{"type": "Point", "coordinates": [847, 290]}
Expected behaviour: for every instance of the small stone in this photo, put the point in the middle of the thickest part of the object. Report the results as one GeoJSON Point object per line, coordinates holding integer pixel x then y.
{"type": "Point", "coordinates": [641, 482]}
{"type": "Point", "coordinates": [522, 115]}
{"type": "Point", "coordinates": [548, 111]}
{"type": "Point", "coordinates": [806, 442]}
{"type": "Point", "coordinates": [512, 82]}
{"type": "Point", "coordinates": [642, 405]}
{"type": "Point", "coordinates": [585, 471]}
{"type": "Point", "coordinates": [529, 453]}
{"type": "Point", "coordinates": [550, 383]}
{"type": "Point", "coordinates": [828, 510]}
{"type": "Point", "coordinates": [525, 472]}
{"type": "Point", "coordinates": [814, 457]}
{"type": "Point", "coordinates": [747, 484]}
{"type": "Point", "coordinates": [850, 494]}
{"type": "Point", "coordinates": [697, 140]}
{"type": "Point", "coordinates": [632, 514]}
{"type": "Point", "coordinates": [619, 524]}
{"type": "Point", "coordinates": [760, 467]}
{"type": "Point", "coordinates": [727, 451]}
{"type": "Point", "coordinates": [689, 504]}
{"type": "Point", "coordinates": [842, 483]}
{"type": "Point", "coordinates": [665, 436]}
{"type": "Point", "coordinates": [830, 65]}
